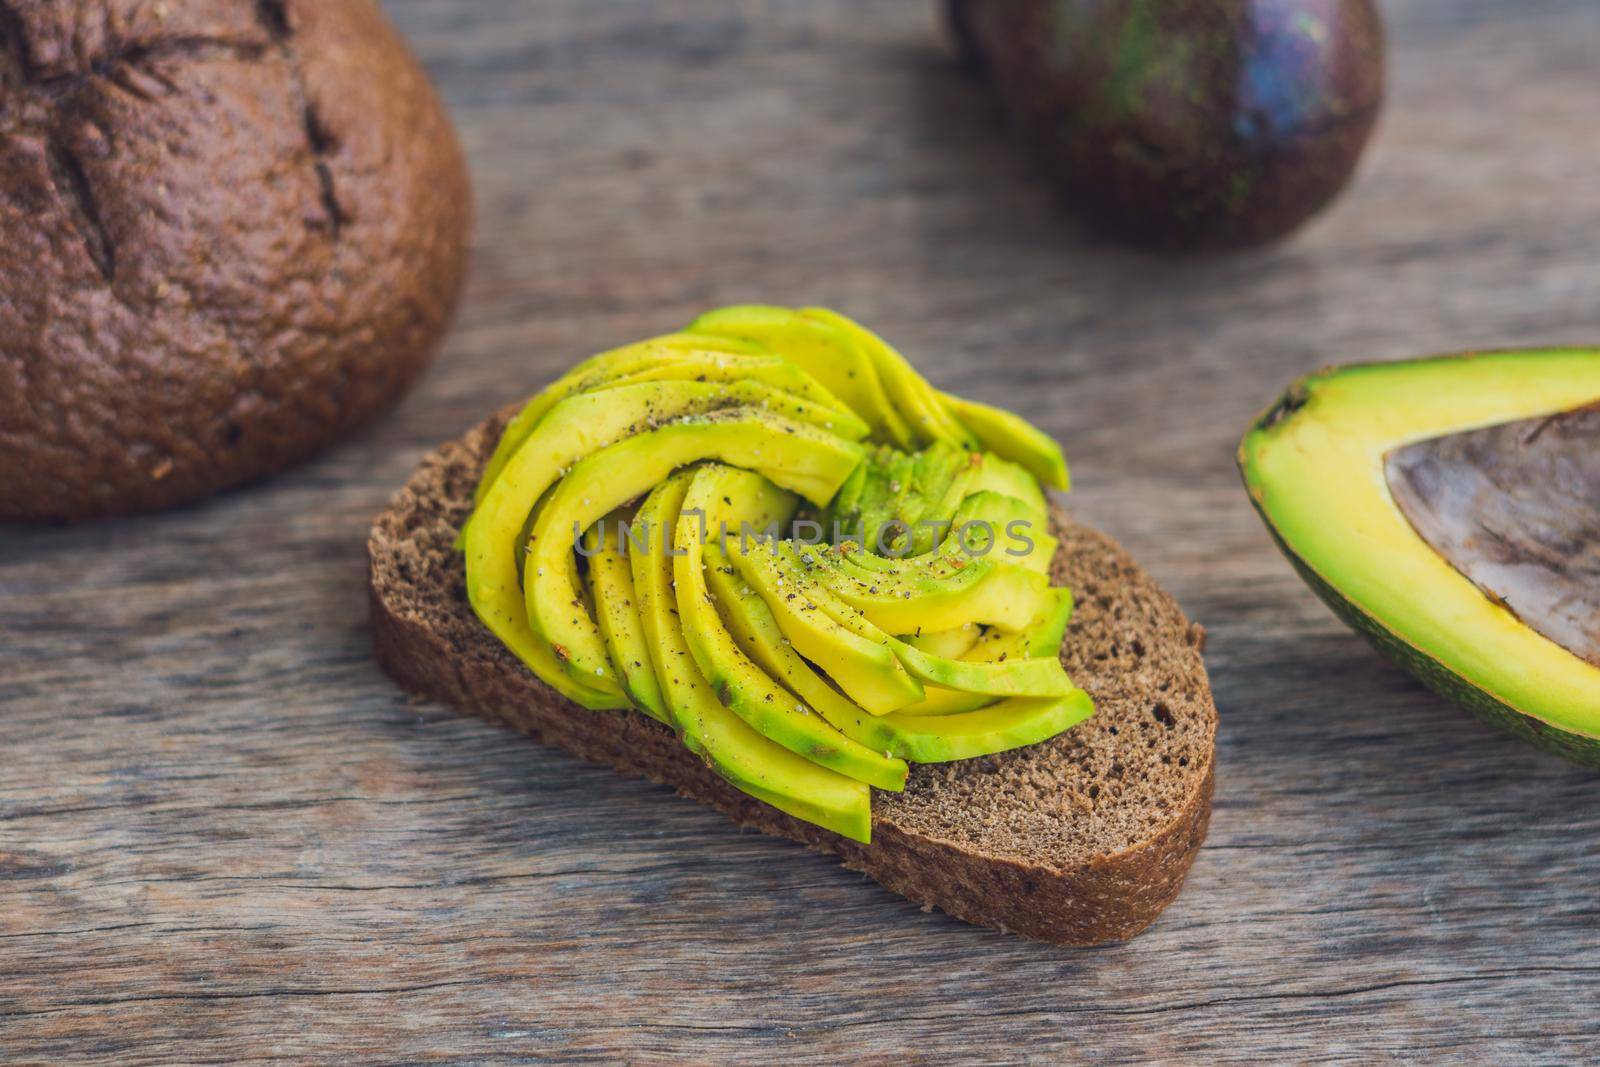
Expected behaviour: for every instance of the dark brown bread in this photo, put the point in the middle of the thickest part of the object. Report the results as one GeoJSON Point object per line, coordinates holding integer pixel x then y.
{"type": "Point", "coordinates": [230, 230]}
{"type": "Point", "coordinates": [1078, 840]}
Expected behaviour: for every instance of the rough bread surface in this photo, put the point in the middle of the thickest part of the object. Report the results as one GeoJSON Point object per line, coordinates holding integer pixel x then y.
{"type": "Point", "coordinates": [1079, 840]}
{"type": "Point", "coordinates": [230, 230]}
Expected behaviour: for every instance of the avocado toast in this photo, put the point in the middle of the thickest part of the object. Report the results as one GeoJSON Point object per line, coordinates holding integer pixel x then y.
{"type": "Point", "coordinates": [979, 764]}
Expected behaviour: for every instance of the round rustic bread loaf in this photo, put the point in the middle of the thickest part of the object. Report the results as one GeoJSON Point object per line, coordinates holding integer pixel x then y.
{"type": "Point", "coordinates": [230, 230]}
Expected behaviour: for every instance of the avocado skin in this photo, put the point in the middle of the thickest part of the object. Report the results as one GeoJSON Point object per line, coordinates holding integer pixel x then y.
{"type": "Point", "coordinates": [1584, 751]}
{"type": "Point", "coordinates": [1187, 123]}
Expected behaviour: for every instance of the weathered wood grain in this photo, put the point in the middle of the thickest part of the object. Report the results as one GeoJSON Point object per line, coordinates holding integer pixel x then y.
{"type": "Point", "coordinates": [224, 835]}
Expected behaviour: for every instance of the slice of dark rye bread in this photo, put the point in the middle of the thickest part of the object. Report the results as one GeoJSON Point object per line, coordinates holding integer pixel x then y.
{"type": "Point", "coordinates": [1077, 840]}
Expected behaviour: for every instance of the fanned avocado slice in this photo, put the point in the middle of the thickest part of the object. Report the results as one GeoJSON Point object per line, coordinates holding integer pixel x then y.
{"type": "Point", "coordinates": [617, 612]}
{"type": "Point", "coordinates": [794, 455]}
{"type": "Point", "coordinates": [935, 595]}
{"type": "Point", "coordinates": [729, 745]}
{"type": "Point", "coordinates": [595, 371]}
{"type": "Point", "coordinates": [1014, 438]}
{"type": "Point", "coordinates": [1449, 509]}
{"type": "Point", "coordinates": [1042, 637]}
{"type": "Point", "coordinates": [575, 428]}
{"type": "Point", "coordinates": [831, 357]}
{"type": "Point", "coordinates": [1006, 724]}
{"type": "Point", "coordinates": [862, 665]}
{"type": "Point", "coordinates": [1025, 677]}
{"type": "Point", "coordinates": [721, 495]}
{"type": "Point", "coordinates": [924, 410]}
{"type": "Point", "coordinates": [951, 643]}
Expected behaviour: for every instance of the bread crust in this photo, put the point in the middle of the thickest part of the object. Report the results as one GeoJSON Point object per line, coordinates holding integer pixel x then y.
{"type": "Point", "coordinates": [230, 231]}
{"type": "Point", "coordinates": [1079, 888]}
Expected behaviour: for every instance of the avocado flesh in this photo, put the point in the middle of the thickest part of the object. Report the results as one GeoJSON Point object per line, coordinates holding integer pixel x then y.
{"type": "Point", "coordinates": [860, 664]}
{"type": "Point", "coordinates": [956, 641]}
{"type": "Point", "coordinates": [1006, 725]}
{"type": "Point", "coordinates": [999, 727]}
{"type": "Point", "coordinates": [1024, 677]}
{"type": "Point", "coordinates": [827, 355]}
{"type": "Point", "coordinates": [925, 411]}
{"type": "Point", "coordinates": [729, 745]}
{"type": "Point", "coordinates": [1314, 464]}
{"type": "Point", "coordinates": [763, 404]}
{"type": "Point", "coordinates": [719, 495]}
{"type": "Point", "coordinates": [594, 371]}
{"type": "Point", "coordinates": [617, 612]}
{"type": "Point", "coordinates": [793, 455]}
{"type": "Point", "coordinates": [1013, 438]}
{"type": "Point", "coordinates": [571, 430]}
{"type": "Point", "coordinates": [1042, 637]}
{"type": "Point", "coordinates": [902, 600]}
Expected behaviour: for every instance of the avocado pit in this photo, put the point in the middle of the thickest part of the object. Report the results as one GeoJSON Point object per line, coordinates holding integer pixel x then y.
{"type": "Point", "coordinates": [1515, 508]}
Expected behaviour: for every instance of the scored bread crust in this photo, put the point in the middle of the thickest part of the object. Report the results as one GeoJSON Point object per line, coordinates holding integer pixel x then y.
{"type": "Point", "coordinates": [1078, 840]}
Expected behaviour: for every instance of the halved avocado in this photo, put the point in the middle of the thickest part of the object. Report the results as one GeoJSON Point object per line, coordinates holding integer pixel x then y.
{"type": "Point", "coordinates": [1449, 509]}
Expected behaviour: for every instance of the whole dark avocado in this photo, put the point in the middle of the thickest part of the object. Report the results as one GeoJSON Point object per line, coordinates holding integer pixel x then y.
{"type": "Point", "coordinates": [1186, 123]}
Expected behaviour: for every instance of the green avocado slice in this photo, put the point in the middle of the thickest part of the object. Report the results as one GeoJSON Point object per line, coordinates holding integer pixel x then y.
{"type": "Point", "coordinates": [860, 663]}
{"type": "Point", "coordinates": [1005, 725]}
{"type": "Point", "coordinates": [573, 429]}
{"type": "Point", "coordinates": [729, 745]}
{"type": "Point", "coordinates": [617, 612]}
{"type": "Point", "coordinates": [934, 595]}
{"type": "Point", "coordinates": [719, 495]}
{"type": "Point", "coordinates": [1013, 438]}
{"type": "Point", "coordinates": [1042, 637]}
{"type": "Point", "coordinates": [951, 643]}
{"type": "Point", "coordinates": [1317, 465]}
{"type": "Point", "coordinates": [594, 371]}
{"type": "Point", "coordinates": [1022, 677]}
{"type": "Point", "coordinates": [829, 356]}
{"type": "Point", "coordinates": [794, 455]}
{"type": "Point", "coordinates": [925, 412]}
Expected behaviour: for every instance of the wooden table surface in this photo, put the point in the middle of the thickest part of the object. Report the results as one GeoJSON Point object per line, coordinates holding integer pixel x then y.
{"type": "Point", "coordinates": [225, 835]}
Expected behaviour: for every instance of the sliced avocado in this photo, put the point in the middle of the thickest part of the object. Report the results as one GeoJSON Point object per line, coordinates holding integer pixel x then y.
{"type": "Point", "coordinates": [863, 665]}
{"type": "Point", "coordinates": [595, 371]}
{"type": "Point", "coordinates": [831, 357]}
{"type": "Point", "coordinates": [611, 589]}
{"type": "Point", "coordinates": [794, 455]}
{"type": "Point", "coordinates": [1449, 508]}
{"type": "Point", "coordinates": [721, 495]}
{"type": "Point", "coordinates": [1014, 438]}
{"type": "Point", "coordinates": [572, 429]}
{"type": "Point", "coordinates": [729, 745]}
{"type": "Point", "coordinates": [956, 641]}
{"type": "Point", "coordinates": [925, 412]}
{"type": "Point", "coordinates": [1022, 677]}
{"type": "Point", "coordinates": [935, 595]}
{"type": "Point", "coordinates": [1001, 726]}
{"type": "Point", "coordinates": [1005, 725]}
